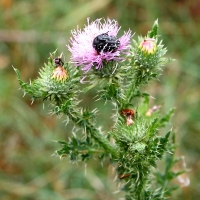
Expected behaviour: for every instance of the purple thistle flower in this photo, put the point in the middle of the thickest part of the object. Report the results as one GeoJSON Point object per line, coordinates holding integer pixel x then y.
{"type": "Point", "coordinates": [82, 46]}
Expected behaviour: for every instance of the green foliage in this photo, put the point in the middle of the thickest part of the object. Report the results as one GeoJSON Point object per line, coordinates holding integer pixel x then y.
{"type": "Point", "coordinates": [45, 87]}
{"type": "Point", "coordinates": [26, 130]}
{"type": "Point", "coordinates": [168, 175]}
{"type": "Point", "coordinates": [138, 144]}
{"type": "Point", "coordinates": [63, 95]}
{"type": "Point", "coordinates": [148, 65]}
{"type": "Point", "coordinates": [78, 150]}
{"type": "Point", "coordinates": [154, 32]}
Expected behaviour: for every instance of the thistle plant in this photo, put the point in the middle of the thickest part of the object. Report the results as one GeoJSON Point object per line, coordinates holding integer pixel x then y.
{"type": "Point", "coordinates": [119, 65]}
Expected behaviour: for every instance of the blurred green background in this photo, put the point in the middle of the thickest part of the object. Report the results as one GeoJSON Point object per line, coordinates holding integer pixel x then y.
{"type": "Point", "coordinates": [29, 30]}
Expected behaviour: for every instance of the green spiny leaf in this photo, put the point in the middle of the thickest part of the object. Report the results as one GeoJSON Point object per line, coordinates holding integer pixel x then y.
{"type": "Point", "coordinates": [154, 32]}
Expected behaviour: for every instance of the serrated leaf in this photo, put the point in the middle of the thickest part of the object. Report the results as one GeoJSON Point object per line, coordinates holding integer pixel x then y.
{"type": "Point", "coordinates": [154, 32]}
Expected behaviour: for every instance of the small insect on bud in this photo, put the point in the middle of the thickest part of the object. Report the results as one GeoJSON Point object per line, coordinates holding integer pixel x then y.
{"type": "Point", "coordinates": [152, 110]}
{"type": "Point", "coordinates": [148, 46]}
{"type": "Point", "coordinates": [129, 114]}
{"type": "Point", "coordinates": [57, 61]}
{"type": "Point", "coordinates": [59, 73]}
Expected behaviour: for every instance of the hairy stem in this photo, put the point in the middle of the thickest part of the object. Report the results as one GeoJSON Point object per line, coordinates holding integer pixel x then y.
{"type": "Point", "coordinates": [90, 128]}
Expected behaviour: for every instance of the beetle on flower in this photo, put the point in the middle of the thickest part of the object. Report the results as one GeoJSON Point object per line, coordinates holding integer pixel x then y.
{"type": "Point", "coordinates": [98, 43]}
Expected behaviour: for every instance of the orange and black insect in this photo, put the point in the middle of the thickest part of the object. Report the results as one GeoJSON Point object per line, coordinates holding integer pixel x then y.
{"type": "Point", "coordinates": [129, 114]}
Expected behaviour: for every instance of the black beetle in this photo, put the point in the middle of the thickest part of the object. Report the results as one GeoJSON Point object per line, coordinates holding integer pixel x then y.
{"type": "Point", "coordinates": [105, 43]}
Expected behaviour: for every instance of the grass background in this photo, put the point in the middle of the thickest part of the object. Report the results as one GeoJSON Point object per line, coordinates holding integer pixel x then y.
{"type": "Point", "coordinates": [29, 30]}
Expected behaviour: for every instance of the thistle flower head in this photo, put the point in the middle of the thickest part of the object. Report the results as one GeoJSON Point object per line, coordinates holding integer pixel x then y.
{"type": "Point", "coordinates": [98, 42]}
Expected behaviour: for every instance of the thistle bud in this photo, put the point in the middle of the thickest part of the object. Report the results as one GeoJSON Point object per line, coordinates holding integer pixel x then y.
{"type": "Point", "coordinates": [148, 46]}
{"type": "Point", "coordinates": [60, 74]}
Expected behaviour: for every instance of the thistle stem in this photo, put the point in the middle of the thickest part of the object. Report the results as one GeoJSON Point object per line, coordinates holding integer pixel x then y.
{"type": "Point", "coordinates": [78, 119]}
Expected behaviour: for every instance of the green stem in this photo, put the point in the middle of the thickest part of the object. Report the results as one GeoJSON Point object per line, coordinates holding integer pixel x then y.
{"type": "Point", "coordinates": [130, 92]}
{"type": "Point", "coordinates": [134, 86]}
{"type": "Point", "coordinates": [90, 151]}
{"type": "Point", "coordinates": [91, 129]}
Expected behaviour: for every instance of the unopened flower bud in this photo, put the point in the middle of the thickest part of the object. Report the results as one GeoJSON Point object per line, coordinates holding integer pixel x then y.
{"type": "Point", "coordinates": [148, 46]}
{"type": "Point", "coordinates": [60, 74]}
